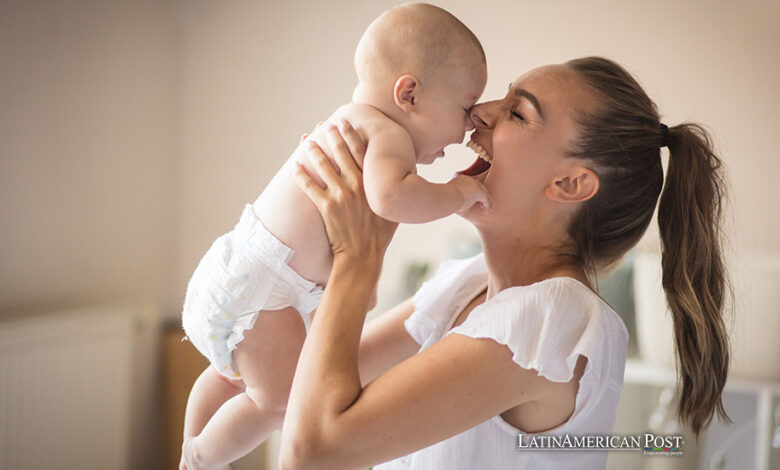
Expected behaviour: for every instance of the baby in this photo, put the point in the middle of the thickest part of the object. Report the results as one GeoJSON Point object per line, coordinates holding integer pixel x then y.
{"type": "Point", "coordinates": [250, 300]}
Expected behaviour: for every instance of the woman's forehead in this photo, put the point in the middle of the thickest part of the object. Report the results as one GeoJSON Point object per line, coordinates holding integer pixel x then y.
{"type": "Point", "coordinates": [556, 87]}
{"type": "Point", "coordinates": [549, 74]}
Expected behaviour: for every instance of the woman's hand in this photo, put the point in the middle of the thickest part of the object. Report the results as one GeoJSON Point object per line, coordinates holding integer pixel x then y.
{"type": "Point", "coordinates": [356, 234]}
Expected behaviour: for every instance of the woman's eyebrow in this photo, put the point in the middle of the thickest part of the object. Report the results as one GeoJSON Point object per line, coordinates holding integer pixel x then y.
{"type": "Point", "coordinates": [530, 97]}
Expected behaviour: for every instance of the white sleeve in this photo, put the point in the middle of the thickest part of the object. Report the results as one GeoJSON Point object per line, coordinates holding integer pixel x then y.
{"type": "Point", "coordinates": [546, 326]}
{"type": "Point", "coordinates": [437, 297]}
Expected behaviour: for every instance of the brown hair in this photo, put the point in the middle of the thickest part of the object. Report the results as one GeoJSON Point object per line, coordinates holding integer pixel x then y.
{"type": "Point", "coordinates": [621, 140]}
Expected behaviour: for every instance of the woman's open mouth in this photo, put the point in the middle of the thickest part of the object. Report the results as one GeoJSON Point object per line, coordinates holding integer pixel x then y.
{"type": "Point", "coordinates": [482, 164]}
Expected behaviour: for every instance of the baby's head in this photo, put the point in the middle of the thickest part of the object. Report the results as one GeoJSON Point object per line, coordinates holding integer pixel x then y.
{"type": "Point", "coordinates": [423, 68]}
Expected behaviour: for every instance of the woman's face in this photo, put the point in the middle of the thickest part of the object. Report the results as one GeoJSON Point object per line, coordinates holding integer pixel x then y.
{"type": "Point", "coordinates": [525, 136]}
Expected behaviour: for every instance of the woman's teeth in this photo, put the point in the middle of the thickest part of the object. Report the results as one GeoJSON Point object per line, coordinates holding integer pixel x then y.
{"type": "Point", "coordinates": [482, 164]}
{"type": "Point", "coordinates": [479, 151]}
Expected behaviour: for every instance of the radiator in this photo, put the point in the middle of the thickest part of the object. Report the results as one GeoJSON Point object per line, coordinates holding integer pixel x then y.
{"type": "Point", "coordinates": [65, 389]}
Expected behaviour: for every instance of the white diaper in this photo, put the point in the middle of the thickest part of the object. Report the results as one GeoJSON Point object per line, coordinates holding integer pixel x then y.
{"type": "Point", "coordinates": [243, 272]}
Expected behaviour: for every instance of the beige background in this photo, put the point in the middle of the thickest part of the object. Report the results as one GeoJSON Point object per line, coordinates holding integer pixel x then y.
{"type": "Point", "coordinates": [133, 132]}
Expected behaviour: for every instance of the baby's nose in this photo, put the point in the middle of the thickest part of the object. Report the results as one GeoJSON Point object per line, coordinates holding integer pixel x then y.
{"type": "Point", "coordinates": [469, 124]}
{"type": "Point", "coordinates": [476, 120]}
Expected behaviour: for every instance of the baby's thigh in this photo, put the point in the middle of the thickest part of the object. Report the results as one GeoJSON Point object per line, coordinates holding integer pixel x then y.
{"type": "Point", "coordinates": [267, 356]}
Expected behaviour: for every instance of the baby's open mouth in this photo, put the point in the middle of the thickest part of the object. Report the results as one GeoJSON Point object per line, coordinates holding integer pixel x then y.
{"type": "Point", "coordinates": [482, 164]}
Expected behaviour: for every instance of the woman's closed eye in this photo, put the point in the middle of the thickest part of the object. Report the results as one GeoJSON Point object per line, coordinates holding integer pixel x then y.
{"type": "Point", "coordinates": [517, 115]}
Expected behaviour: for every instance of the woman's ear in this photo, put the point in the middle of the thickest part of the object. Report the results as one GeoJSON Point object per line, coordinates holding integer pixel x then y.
{"type": "Point", "coordinates": [578, 184]}
{"type": "Point", "coordinates": [405, 92]}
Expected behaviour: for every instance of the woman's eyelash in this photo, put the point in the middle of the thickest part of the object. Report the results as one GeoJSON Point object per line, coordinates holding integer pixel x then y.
{"type": "Point", "coordinates": [518, 115]}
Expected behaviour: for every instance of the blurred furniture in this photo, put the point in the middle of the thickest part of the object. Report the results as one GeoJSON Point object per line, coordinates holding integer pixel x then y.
{"type": "Point", "coordinates": [752, 394]}
{"type": "Point", "coordinates": [182, 366]}
{"type": "Point", "coordinates": [751, 316]}
{"type": "Point", "coordinates": [66, 388]}
{"type": "Point", "coordinates": [647, 405]}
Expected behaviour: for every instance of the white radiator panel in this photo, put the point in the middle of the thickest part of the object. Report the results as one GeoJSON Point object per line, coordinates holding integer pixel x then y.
{"type": "Point", "coordinates": [65, 382]}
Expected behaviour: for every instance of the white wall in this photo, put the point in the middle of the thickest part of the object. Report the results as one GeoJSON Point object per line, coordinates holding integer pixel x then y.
{"type": "Point", "coordinates": [133, 132]}
{"type": "Point", "coordinates": [87, 152]}
{"type": "Point", "coordinates": [255, 75]}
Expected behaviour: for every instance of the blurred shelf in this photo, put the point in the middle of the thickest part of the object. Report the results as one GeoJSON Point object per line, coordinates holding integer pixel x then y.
{"type": "Point", "coordinates": [639, 372]}
{"type": "Point", "coordinates": [643, 373]}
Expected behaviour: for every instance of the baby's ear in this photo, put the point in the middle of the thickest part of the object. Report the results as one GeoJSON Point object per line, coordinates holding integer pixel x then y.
{"type": "Point", "coordinates": [578, 184]}
{"type": "Point", "coordinates": [405, 92]}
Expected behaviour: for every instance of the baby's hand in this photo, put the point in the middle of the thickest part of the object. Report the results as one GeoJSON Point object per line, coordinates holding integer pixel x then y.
{"type": "Point", "coordinates": [472, 190]}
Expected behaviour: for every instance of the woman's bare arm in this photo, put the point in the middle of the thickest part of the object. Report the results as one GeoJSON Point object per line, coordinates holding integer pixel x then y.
{"type": "Point", "coordinates": [332, 420]}
{"type": "Point", "coordinates": [385, 342]}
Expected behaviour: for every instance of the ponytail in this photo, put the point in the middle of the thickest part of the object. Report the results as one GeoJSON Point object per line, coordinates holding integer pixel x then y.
{"type": "Point", "coordinates": [621, 140]}
{"type": "Point", "coordinates": [694, 278]}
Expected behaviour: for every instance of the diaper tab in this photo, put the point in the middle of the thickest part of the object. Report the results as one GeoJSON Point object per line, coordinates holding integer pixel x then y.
{"type": "Point", "coordinates": [260, 241]}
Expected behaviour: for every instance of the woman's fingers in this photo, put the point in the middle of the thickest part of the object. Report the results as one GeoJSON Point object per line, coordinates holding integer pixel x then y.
{"type": "Point", "coordinates": [354, 140]}
{"type": "Point", "coordinates": [322, 165]}
{"type": "Point", "coordinates": [343, 152]}
{"type": "Point", "coordinates": [353, 229]}
{"type": "Point", "coordinates": [317, 195]}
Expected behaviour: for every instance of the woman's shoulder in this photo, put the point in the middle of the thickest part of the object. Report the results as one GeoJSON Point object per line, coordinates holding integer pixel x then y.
{"type": "Point", "coordinates": [548, 324]}
{"type": "Point", "coordinates": [439, 297]}
{"type": "Point", "coordinates": [472, 264]}
{"type": "Point", "coordinates": [451, 280]}
{"type": "Point", "coordinates": [562, 298]}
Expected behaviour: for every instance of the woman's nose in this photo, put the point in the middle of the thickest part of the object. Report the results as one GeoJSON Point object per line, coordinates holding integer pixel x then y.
{"type": "Point", "coordinates": [477, 121]}
{"type": "Point", "coordinates": [480, 115]}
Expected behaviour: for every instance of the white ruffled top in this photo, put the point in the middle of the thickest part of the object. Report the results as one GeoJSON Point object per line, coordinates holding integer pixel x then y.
{"type": "Point", "coordinates": [546, 325]}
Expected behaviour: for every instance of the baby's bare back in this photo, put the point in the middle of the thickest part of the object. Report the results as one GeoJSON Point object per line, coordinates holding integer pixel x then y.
{"type": "Point", "coordinates": [289, 214]}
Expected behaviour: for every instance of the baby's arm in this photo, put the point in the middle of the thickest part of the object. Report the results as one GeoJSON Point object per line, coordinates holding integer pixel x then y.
{"type": "Point", "coordinates": [396, 192]}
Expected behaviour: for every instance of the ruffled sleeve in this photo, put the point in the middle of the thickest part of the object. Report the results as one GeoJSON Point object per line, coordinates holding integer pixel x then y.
{"type": "Point", "coordinates": [438, 298]}
{"type": "Point", "coordinates": [547, 325]}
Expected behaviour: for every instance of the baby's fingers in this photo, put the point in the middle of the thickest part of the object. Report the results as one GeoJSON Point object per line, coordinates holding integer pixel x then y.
{"type": "Point", "coordinates": [484, 197]}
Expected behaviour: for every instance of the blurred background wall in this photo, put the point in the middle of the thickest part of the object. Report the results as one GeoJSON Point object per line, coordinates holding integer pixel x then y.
{"type": "Point", "coordinates": [88, 152]}
{"type": "Point", "coordinates": [132, 132]}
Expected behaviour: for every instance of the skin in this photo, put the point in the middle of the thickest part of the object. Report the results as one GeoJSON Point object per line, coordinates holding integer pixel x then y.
{"type": "Point", "coordinates": [405, 118]}
{"type": "Point", "coordinates": [424, 118]}
{"type": "Point", "coordinates": [357, 402]}
{"type": "Point", "coordinates": [414, 37]}
{"type": "Point", "coordinates": [402, 123]}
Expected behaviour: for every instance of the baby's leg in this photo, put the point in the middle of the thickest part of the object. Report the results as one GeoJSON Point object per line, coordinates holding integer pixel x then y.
{"type": "Point", "coordinates": [266, 359]}
{"type": "Point", "coordinates": [208, 393]}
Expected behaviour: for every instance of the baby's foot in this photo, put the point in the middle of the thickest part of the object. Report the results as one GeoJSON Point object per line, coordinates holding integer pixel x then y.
{"type": "Point", "coordinates": [189, 457]}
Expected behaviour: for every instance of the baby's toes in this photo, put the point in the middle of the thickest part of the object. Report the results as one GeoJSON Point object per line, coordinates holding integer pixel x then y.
{"type": "Point", "coordinates": [186, 462]}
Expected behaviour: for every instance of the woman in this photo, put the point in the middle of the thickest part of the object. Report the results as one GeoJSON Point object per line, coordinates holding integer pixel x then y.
{"type": "Point", "coordinates": [514, 341]}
